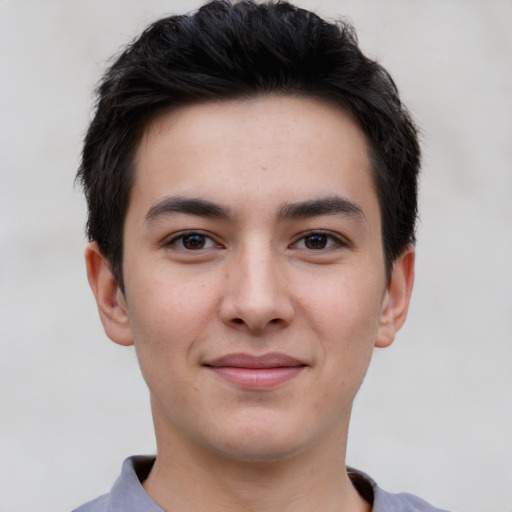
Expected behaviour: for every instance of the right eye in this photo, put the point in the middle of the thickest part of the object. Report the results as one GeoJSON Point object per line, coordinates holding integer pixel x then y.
{"type": "Point", "coordinates": [192, 241]}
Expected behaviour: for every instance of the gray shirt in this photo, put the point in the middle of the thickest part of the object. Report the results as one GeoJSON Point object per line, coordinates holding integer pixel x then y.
{"type": "Point", "coordinates": [128, 495]}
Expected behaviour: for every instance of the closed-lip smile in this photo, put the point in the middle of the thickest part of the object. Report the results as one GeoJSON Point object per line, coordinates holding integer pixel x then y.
{"type": "Point", "coordinates": [256, 371]}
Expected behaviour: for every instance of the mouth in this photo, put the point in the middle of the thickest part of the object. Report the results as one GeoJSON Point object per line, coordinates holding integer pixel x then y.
{"type": "Point", "coordinates": [256, 372]}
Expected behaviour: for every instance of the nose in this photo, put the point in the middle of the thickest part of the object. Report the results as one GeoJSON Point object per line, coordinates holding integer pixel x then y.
{"type": "Point", "coordinates": [257, 296]}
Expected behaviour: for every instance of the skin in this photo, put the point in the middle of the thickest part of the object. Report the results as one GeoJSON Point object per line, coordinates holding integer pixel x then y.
{"type": "Point", "coordinates": [263, 277]}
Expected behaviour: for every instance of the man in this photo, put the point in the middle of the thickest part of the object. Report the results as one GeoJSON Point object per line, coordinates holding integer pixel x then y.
{"type": "Point", "coordinates": [251, 181]}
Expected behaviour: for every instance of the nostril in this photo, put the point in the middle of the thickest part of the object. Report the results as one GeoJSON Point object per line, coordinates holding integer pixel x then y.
{"type": "Point", "coordinates": [238, 321]}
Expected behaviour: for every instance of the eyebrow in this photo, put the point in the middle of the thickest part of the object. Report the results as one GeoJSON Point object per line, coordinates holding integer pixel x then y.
{"type": "Point", "coordinates": [187, 205]}
{"type": "Point", "coordinates": [331, 205]}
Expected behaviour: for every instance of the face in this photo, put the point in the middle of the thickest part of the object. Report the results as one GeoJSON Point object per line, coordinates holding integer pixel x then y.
{"type": "Point", "coordinates": [255, 287]}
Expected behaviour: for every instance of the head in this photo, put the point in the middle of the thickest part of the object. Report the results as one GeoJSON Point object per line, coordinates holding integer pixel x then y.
{"type": "Point", "coordinates": [240, 51]}
{"type": "Point", "coordinates": [251, 180]}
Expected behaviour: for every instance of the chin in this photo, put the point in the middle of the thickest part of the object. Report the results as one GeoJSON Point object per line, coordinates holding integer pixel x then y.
{"type": "Point", "coordinates": [258, 452]}
{"type": "Point", "coordinates": [263, 443]}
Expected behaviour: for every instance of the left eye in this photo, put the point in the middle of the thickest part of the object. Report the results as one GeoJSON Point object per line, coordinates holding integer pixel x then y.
{"type": "Point", "coordinates": [317, 241]}
{"type": "Point", "coordinates": [192, 241]}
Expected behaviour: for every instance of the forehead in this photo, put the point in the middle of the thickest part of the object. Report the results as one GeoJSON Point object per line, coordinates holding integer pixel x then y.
{"type": "Point", "coordinates": [240, 152]}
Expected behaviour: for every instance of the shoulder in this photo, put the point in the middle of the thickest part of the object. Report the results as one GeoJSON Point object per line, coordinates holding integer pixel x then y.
{"type": "Point", "coordinates": [127, 493]}
{"type": "Point", "coordinates": [384, 501]}
{"type": "Point", "coordinates": [402, 502]}
{"type": "Point", "coordinates": [98, 505]}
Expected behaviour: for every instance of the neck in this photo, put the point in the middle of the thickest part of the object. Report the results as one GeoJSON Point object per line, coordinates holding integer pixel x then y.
{"type": "Point", "coordinates": [188, 477]}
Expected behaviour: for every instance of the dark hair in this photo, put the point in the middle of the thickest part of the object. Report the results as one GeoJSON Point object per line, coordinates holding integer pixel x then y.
{"type": "Point", "coordinates": [230, 51]}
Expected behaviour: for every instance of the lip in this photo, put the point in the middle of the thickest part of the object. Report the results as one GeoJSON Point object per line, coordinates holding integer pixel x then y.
{"type": "Point", "coordinates": [256, 372]}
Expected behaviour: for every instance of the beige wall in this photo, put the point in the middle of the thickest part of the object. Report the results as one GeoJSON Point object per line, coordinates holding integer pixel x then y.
{"type": "Point", "coordinates": [435, 414]}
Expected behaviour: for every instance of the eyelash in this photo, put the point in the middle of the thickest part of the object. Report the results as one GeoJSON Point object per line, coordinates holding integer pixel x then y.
{"type": "Point", "coordinates": [330, 239]}
{"type": "Point", "coordinates": [335, 241]}
{"type": "Point", "coordinates": [182, 236]}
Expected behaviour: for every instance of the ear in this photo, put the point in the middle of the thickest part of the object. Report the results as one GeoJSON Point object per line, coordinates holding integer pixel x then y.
{"type": "Point", "coordinates": [109, 297]}
{"type": "Point", "coordinates": [397, 297]}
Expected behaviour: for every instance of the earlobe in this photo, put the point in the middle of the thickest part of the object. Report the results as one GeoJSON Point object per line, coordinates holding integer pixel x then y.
{"type": "Point", "coordinates": [397, 296]}
{"type": "Point", "coordinates": [109, 298]}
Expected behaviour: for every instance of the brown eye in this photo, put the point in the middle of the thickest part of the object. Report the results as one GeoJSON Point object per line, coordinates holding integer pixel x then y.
{"type": "Point", "coordinates": [317, 241]}
{"type": "Point", "coordinates": [193, 242]}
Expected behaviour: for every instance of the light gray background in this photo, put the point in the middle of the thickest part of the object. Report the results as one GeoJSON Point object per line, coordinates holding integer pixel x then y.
{"type": "Point", "coordinates": [435, 414]}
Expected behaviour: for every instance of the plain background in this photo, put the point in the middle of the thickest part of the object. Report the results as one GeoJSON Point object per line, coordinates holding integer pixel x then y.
{"type": "Point", "coordinates": [434, 416]}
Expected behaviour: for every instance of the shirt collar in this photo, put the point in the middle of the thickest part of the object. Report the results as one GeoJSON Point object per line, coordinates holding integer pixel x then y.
{"type": "Point", "coordinates": [128, 495]}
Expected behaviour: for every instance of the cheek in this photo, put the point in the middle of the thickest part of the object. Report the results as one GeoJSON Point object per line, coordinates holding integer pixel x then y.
{"type": "Point", "coordinates": [345, 317]}
{"type": "Point", "coordinates": [168, 317]}
{"type": "Point", "coordinates": [343, 305]}
{"type": "Point", "coordinates": [166, 327]}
